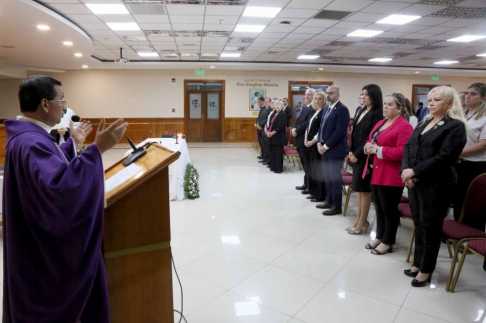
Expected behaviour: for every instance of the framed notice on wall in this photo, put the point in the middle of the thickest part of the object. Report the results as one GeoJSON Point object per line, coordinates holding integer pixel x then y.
{"type": "Point", "coordinates": [254, 95]}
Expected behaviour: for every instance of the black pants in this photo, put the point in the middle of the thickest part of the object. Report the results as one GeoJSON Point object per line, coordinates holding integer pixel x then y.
{"type": "Point", "coordinates": [386, 200]}
{"type": "Point", "coordinates": [333, 179]}
{"type": "Point", "coordinates": [301, 151]}
{"type": "Point", "coordinates": [428, 203]}
{"type": "Point", "coordinates": [466, 172]}
{"type": "Point", "coordinates": [317, 186]}
{"type": "Point", "coordinates": [266, 143]}
{"type": "Point", "coordinates": [261, 142]}
{"type": "Point", "coordinates": [259, 134]}
{"type": "Point", "coordinates": [277, 158]}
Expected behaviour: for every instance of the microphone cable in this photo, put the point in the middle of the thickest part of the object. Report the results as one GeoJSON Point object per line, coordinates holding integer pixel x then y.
{"type": "Point", "coordinates": [182, 294]}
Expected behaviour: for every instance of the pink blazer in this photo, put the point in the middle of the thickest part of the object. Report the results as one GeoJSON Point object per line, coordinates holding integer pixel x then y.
{"type": "Point", "coordinates": [386, 171]}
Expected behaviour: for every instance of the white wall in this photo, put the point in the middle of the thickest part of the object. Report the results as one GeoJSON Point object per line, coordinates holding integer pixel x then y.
{"type": "Point", "coordinates": [151, 93]}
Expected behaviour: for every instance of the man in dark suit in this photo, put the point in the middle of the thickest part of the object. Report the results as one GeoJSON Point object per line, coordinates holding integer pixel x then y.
{"type": "Point", "coordinates": [332, 146]}
{"type": "Point", "coordinates": [287, 110]}
{"type": "Point", "coordinates": [298, 131]}
{"type": "Point", "coordinates": [266, 139]}
{"type": "Point", "coordinates": [260, 123]}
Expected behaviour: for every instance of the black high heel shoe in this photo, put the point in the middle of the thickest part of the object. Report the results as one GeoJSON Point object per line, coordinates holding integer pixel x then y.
{"type": "Point", "coordinates": [410, 273]}
{"type": "Point", "coordinates": [418, 283]}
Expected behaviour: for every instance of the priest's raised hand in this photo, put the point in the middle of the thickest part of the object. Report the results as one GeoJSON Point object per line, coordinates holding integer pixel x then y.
{"type": "Point", "coordinates": [110, 136]}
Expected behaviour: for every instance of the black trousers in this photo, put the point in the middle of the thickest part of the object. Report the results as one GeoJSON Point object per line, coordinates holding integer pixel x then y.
{"type": "Point", "coordinates": [386, 199]}
{"type": "Point", "coordinates": [261, 141]}
{"type": "Point", "coordinates": [268, 153]}
{"type": "Point", "coordinates": [466, 172]}
{"type": "Point", "coordinates": [277, 158]}
{"type": "Point", "coordinates": [259, 134]}
{"type": "Point", "coordinates": [302, 156]}
{"type": "Point", "coordinates": [333, 179]}
{"type": "Point", "coordinates": [317, 186]}
{"type": "Point", "coordinates": [428, 203]}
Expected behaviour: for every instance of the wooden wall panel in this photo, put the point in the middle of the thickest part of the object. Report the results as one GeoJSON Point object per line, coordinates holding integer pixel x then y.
{"type": "Point", "coordinates": [239, 129]}
{"type": "Point", "coordinates": [3, 144]}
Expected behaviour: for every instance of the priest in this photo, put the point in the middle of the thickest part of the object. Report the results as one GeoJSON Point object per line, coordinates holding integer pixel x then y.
{"type": "Point", "coordinates": [53, 205]}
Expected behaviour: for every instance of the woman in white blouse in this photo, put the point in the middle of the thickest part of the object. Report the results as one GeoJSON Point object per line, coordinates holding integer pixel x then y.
{"type": "Point", "coordinates": [473, 157]}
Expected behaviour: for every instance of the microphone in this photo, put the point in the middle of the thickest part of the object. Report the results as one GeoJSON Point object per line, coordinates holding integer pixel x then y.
{"type": "Point", "coordinates": [135, 155]}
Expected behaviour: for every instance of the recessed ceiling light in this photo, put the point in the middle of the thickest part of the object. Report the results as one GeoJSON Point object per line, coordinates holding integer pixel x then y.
{"type": "Point", "coordinates": [67, 43]}
{"type": "Point", "coordinates": [212, 66]}
{"type": "Point", "coordinates": [250, 28]}
{"type": "Point", "coordinates": [84, 66]}
{"type": "Point", "coordinates": [364, 33]}
{"type": "Point", "coordinates": [150, 54]}
{"type": "Point", "coordinates": [308, 57]}
{"type": "Point", "coordinates": [380, 59]}
{"type": "Point", "coordinates": [321, 69]}
{"type": "Point", "coordinates": [398, 19]}
{"type": "Point", "coordinates": [230, 55]}
{"type": "Point", "coordinates": [78, 54]}
{"type": "Point", "coordinates": [123, 26]}
{"type": "Point", "coordinates": [466, 38]}
{"type": "Point", "coordinates": [446, 62]}
{"type": "Point", "coordinates": [43, 27]}
{"type": "Point", "coordinates": [417, 72]}
{"type": "Point", "coordinates": [267, 12]}
{"type": "Point", "coordinates": [481, 55]}
{"type": "Point", "coordinates": [107, 9]}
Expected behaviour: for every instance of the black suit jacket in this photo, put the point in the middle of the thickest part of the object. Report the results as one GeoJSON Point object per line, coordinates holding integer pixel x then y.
{"type": "Point", "coordinates": [279, 125]}
{"type": "Point", "coordinates": [300, 125]}
{"type": "Point", "coordinates": [57, 136]}
{"type": "Point", "coordinates": [262, 116]}
{"type": "Point", "coordinates": [288, 112]}
{"type": "Point", "coordinates": [361, 131]}
{"type": "Point", "coordinates": [432, 156]}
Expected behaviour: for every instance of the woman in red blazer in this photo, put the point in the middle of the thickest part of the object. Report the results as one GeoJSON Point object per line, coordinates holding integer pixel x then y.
{"type": "Point", "coordinates": [385, 150]}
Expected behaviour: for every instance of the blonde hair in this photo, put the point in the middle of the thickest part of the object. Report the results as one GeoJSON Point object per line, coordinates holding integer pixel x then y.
{"type": "Point", "coordinates": [481, 88]}
{"type": "Point", "coordinates": [324, 97]}
{"type": "Point", "coordinates": [401, 102]}
{"type": "Point", "coordinates": [455, 111]}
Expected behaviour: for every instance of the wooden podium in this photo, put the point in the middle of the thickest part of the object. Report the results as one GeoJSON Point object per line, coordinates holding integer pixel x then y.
{"type": "Point", "coordinates": [137, 241]}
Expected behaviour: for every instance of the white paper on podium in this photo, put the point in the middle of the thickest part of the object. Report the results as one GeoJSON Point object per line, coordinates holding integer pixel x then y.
{"type": "Point", "coordinates": [121, 177]}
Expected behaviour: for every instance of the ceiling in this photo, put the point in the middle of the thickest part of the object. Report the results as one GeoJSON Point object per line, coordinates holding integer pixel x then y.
{"type": "Point", "coordinates": [189, 32]}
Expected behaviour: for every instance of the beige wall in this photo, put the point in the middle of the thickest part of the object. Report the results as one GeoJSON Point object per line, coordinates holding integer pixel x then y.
{"type": "Point", "coordinates": [151, 93]}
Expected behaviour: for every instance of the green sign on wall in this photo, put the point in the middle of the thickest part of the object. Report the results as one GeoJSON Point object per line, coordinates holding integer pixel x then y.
{"type": "Point", "coordinates": [200, 72]}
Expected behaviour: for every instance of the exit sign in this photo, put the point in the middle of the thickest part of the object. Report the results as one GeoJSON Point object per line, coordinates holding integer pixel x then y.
{"type": "Point", "coordinates": [434, 78]}
{"type": "Point", "coordinates": [200, 72]}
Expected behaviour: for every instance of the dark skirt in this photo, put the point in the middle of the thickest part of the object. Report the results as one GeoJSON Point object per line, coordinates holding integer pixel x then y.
{"type": "Point", "coordinates": [361, 184]}
{"type": "Point", "coordinates": [277, 158]}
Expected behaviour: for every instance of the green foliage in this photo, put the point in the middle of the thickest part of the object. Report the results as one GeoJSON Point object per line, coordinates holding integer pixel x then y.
{"type": "Point", "coordinates": [191, 182]}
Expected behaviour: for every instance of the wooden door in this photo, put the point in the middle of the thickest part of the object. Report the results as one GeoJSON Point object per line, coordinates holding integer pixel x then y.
{"type": "Point", "coordinates": [204, 117]}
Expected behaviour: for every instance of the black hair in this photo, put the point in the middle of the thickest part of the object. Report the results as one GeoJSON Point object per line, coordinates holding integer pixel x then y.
{"type": "Point", "coordinates": [261, 98]}
{"type": "Point", "coordinates": [374, 92]}
{"type": "Point", "coordinates": [421, 104]}
{"type": "Point", "coordinates": [35, 88]}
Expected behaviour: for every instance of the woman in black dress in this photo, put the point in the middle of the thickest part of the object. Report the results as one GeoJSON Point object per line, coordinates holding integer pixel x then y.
{"type": "Point", "coordinates": [276, 132]}
{"type": "Point", "coordinates": [363, 123]}
{"type": "Point", "coordinates": [428, 171]}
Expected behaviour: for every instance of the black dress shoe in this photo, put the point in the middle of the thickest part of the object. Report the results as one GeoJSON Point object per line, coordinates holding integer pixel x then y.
{"type": "Point", "coordinates": [309, 197]}
{"type": "Point", "coordinates": [305, 192]}
{"type": "Point", "coordinates": [418, 283]}
{"type": "Point", "coordinates": [260, 157]}
{"type": "Point", "coordinates": [333, 211]}
{"type": "Point", "coordinates": [262, 161]}
{"type": "Point", "coordinates": [410, 273]}
{"type": "Point", "coordinates": [316, 200]}
{"type": "Point", "coordinates": [301, 188]}
{"type": "Point", "coordinates": [326, 205]}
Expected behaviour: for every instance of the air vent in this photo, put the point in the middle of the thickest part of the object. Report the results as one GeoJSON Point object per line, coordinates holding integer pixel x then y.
{"type": "Point", "coordinates": [441, 2]}
{"type": "Point", "coordinates": [133, 38]}
{"type": "Point", "coordinates": [430, 47]}
{"type": "Point", "coordinates": [320, 52]}
{"type": "Point", "coordinates": [341, 58]}
{"type": "Point", "coordinates": [413, 41]}
{"type": "Point", "coordinates": [184, 1]}
{"type": "Point", "coordinates": [461, 12]}
{"type": "Point", "coordinates": [240, 40]}
{"type": "Point", "coordinates": [273, 53]}
{"type": "Point", "coordinates": [143, 1]}
{"type": "Point", "coordinates": [161, 33]}
{"type": "Point", "coordinates": [209, 33]}
{"type": "Point", "coordinates": [332, 15]}
{"type": "Point", "coordinates": [468, 58]}
{"type": "Point", "coordinates": [188, 44]}
{"type": "Point", "coordinates": [189, 55]}
{"type": "Point", "coordinates": [146, 9]}
{"type": "Point", "coordinates": [339, 43]}
{"type": "Point", "coordinates": [207, 56]}
{"type": "Point", "coordinates": [143, 48]}
{"type": "Point", "coordinates": [398, 55]}
{"type": "Point", "coordinates": [228, 2]}
{"type": "Point", "coordinates": [235, 48]}
{"type": "Point", "coordinates": [168, 54]}
{"type": "Point", "coordinates": [187, 33]}
{"type": "Point", "coordinates": [378, 40]}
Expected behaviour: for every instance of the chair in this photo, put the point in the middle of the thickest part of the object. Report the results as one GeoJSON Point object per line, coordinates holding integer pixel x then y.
{"type": "Point", "coordinates": [254, 143]}
{"type": "Point", "coordinates": [406, 213]}
{"type": "Point", "coordinates": [292, 154]}
{"type": "Point", "coordinates": [457, 233]}
{"type": "Point", "coordinates": [347, 181]}
{"type": "Point", "coordinates": [476, 246]}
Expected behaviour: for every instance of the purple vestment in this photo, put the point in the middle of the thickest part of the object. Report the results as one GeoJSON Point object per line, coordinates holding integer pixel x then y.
{"type": "Point", "coordinates": [53, 209]}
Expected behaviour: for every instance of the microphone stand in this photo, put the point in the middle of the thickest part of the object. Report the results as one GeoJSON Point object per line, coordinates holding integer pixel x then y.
{"type": "Point", "coordinates": [135, 155]}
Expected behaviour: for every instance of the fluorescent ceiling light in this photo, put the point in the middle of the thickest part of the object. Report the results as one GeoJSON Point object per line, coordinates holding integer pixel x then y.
{"type": "Point", "coordinates": [466, 38]}
{"type": "Point", "coordinates": [446, 62]}
{"type": "Point", "coordinates": [481, 55]}
{"type": "Point", "coordinates": [84, 66]}
{"type": "Point", "coordinates": [149, 54]}
{"type": "Point", "coordinates": [417, 72]}
{"type": "Point", "coordinates": [123, 26]}
{"type": "Point", "coordinates": [43, 27]}
{"type": "Point", "coordinates": [383, 59]}
{"type": "Point", "coordinates": [308, 57]}
{"type": "Point", "coordinates": [364, 33]}
{"type": "Point", "coordinates": [250, 28]}
{"type": "Point", "coordinates": [78, 54]}
{"type": "Point", "coordinates": [266, 12]}
{"type": "Point", "coordinates": [398, 19]}
{"type": "Point", "coordinates": [321, 69]}
{"type": "Point", "coordinates": [230, 55]}
{"type": "Point", "coordinates": [107, 9]}
{"type": "Point", "coordinates": [212, 66]}
{"type": "Point", "coordinates": [67, 43]}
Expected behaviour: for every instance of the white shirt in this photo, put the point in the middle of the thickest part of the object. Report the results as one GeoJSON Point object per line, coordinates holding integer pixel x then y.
{"type": "Point", "coordinates": [413, 121]}
{"type": "Point", "coordinates": [310, 123]}
{"type": "Point", "coordinates": [64, 123]}
{"type": "Point", "coordinates": [476, 131]}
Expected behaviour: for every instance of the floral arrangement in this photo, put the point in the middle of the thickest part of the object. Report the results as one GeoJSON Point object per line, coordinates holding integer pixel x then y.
{"type": "Point", "coordinates": [191, 182]}
{"type": "Point", "coordinates": [168, 134]}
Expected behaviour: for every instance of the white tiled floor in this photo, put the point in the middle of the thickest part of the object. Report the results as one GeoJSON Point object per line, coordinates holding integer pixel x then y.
{"type": "Point", "coordinates": [253, 249]}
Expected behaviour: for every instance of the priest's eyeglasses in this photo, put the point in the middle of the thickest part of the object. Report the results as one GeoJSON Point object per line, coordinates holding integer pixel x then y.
{"type": "Point", "coordinates": [62, 101]}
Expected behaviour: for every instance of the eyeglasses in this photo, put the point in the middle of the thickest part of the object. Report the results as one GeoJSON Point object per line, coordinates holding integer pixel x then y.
{"type": "Point", "coordinates": [62, 101]}
{"type": "Point", "coordinates": [329, 93]}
